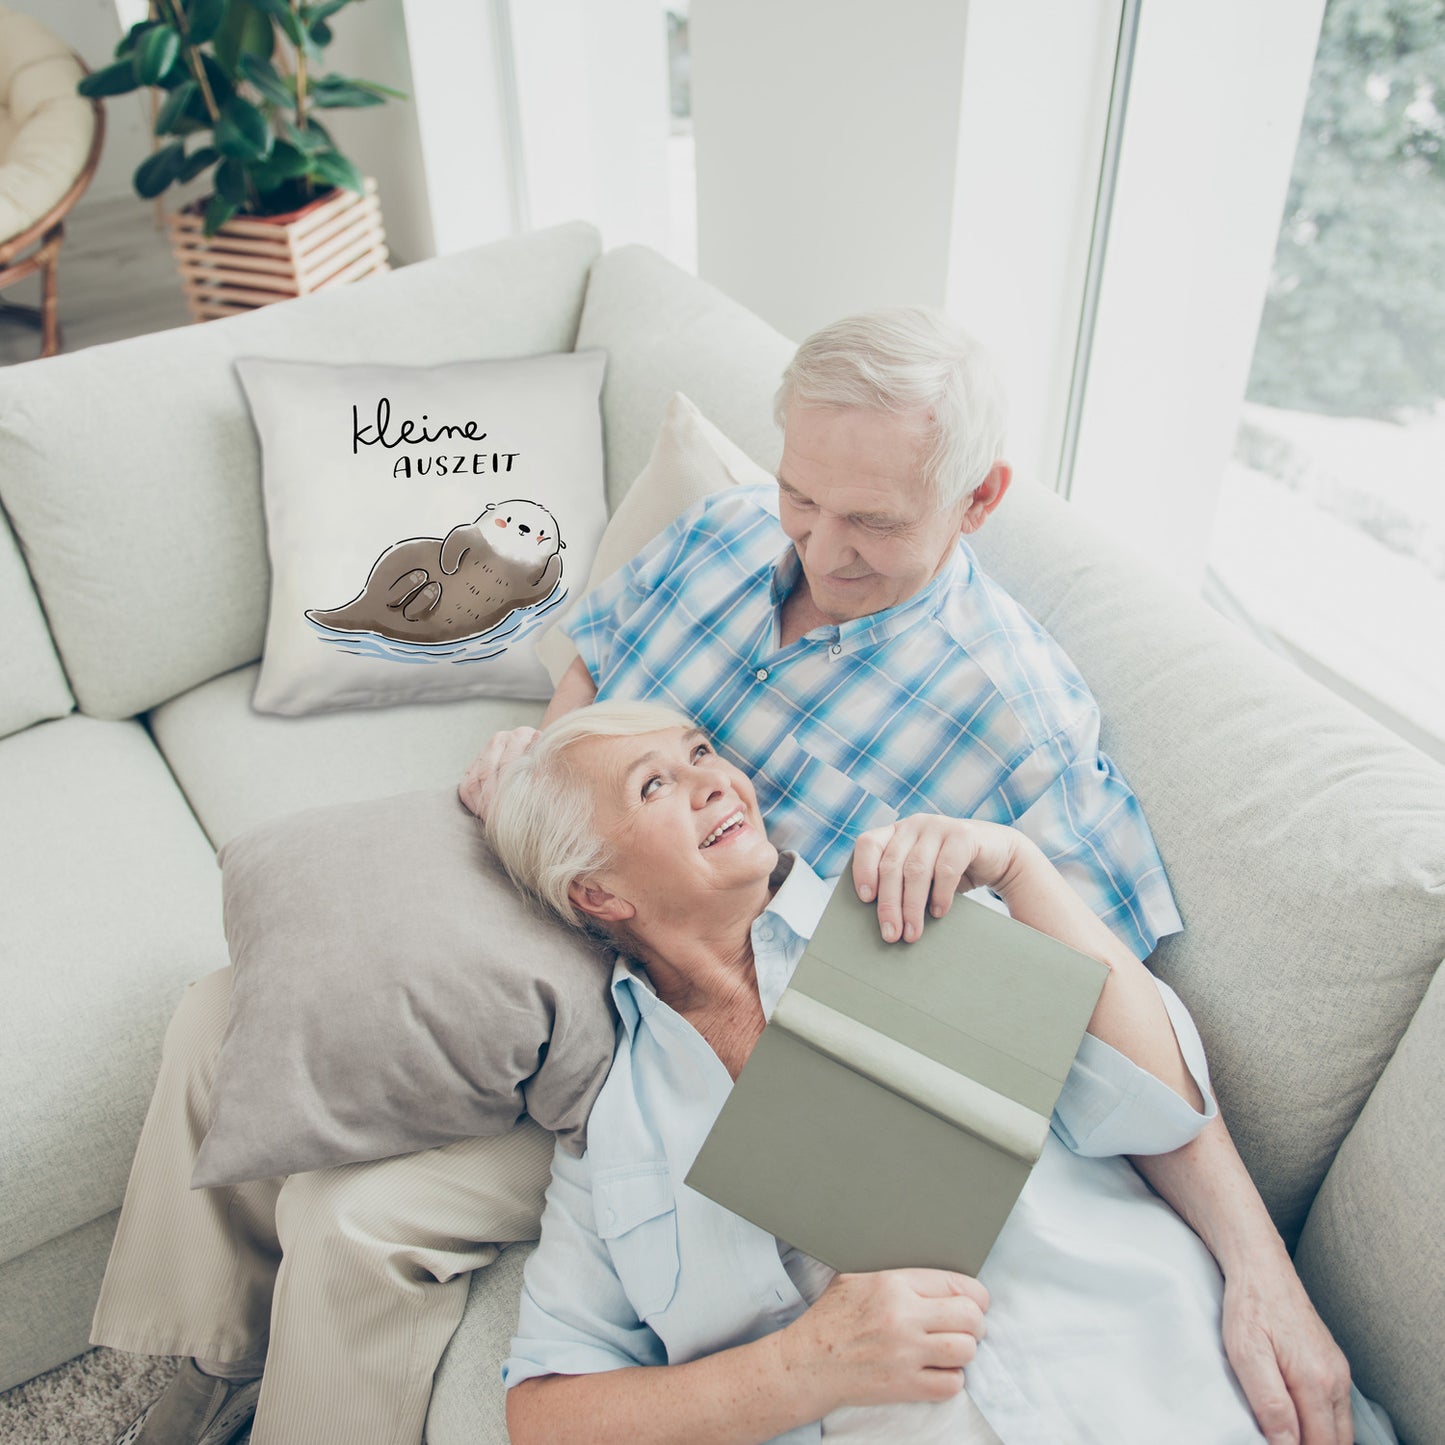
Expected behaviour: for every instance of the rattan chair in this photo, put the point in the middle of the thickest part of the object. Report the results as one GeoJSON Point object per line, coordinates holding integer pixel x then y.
{"type": "Point", "coordinates": [50, 139]}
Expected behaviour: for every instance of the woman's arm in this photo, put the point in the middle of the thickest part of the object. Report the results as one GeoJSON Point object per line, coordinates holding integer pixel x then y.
{"type": "Point", "coordinates": [917, 865]}
{"type": "Point", "coordinates": [903, 1334]}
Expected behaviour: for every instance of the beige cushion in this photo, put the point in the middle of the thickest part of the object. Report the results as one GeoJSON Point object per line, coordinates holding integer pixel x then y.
{"type": "Point", "coordinates": [1373, 1250]}
{"type": "Point", "coordinates": [360, 521]}
{"type": "Point", "coordinates": [239, 768]}
{"type": "Point", "coordinates": [140, 511]}
{"type": "Point", "coordinates": [1302, 842]}
{"type": "Point", "coordinates": [691, 459]}
{"type": "Point", "coordinates": [110, 906]}
{"type": "Point", "coordinates": [664, 332]}
{"type": "Point", "coordinates": [392, 993]}
{"type": "Point", "coordinates": [32, 684]}
{"type": "Point", "coordinates": [48, 127]}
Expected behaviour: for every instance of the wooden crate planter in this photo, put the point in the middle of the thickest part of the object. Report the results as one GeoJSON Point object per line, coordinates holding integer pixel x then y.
{"type": "Point", "coordinates": [255, 260]}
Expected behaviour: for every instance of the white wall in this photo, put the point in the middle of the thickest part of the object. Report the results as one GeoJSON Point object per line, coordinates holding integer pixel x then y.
{"type": "Point", "coordinates": [1036, 83]}
{"type": "Point", "coordinates": [827, 145]}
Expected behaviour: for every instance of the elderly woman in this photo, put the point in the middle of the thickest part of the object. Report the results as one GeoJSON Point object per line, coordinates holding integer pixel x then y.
{"type": "Point", "coordinates": [653, 1314]}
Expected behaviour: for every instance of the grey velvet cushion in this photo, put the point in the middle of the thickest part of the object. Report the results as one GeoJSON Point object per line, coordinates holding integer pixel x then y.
{"type": "Point", "coordinates": [32, 685]}
{"type": "Point", "coordinates": [1303, 842]}
{"type": "Point", "coordinates": [392, 993]}
{"type": "Point", "coordinates": [132, 476]}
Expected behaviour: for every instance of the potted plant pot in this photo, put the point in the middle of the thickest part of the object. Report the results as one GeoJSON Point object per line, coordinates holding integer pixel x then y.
{"type": "Point", "coordinates": [251, 261]}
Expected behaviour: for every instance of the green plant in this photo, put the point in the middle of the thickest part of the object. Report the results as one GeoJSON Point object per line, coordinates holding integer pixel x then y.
{"type": "Point", "coordinates": [241, 85]}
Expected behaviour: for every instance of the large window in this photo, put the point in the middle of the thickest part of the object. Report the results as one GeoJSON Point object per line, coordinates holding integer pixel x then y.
{"type": "Point", "coordinates": [1330, 528]}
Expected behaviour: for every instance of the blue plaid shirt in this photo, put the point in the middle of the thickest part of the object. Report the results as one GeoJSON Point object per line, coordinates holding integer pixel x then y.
{"type": "Point", "coordinates": [955, 702]}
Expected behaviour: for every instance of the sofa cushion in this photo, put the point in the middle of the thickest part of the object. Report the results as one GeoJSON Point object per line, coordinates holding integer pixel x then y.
{"type": "Point", "coordinates": [239, 768]}
{"type": "Point", "coordinates": [1372, 1254]}
{"type": "Point", "coordinates": [691, 459]}
{"type": "Point", "coordinates": [421, 572]}
{"type": "Point", "coordinates": [118, 463]}
{"type": "Point", "coordinates": [664, 331]}
{"type": "Point", "coordinates": [1301, 840]}
{"type": "Point", "coordinates": [32, 683]}
{"type": "Point", "coordinates": [111, 905]}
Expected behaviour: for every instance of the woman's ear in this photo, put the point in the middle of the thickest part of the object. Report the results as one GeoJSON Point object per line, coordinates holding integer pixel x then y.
{"type": "Point", "coordinates": [596, 902]}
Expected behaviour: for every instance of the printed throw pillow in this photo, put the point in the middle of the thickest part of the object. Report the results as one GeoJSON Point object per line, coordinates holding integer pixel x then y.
{"type": "Point", "coordinates": [424, 523]}
{"type": "Point", "coordinates": [691, 459]}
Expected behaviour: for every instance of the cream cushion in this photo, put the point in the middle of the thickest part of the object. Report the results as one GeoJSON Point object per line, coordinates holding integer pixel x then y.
{"type": "Point", "coordinates": [45, 126]}
{"type": "Point", "coordinates": [691, 459]}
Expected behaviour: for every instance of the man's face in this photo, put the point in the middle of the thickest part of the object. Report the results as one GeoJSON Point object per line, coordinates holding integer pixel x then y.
{"type": "Point", "coordinates": [852, 498]}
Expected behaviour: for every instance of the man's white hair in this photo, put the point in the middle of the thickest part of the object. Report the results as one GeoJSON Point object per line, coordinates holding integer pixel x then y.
{"type": "Point", "coordinates": [908, 360]}
{"type": "Point", "coordinates": [542, 820]}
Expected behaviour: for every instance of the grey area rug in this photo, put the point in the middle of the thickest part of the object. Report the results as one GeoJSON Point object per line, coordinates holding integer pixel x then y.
{"type": "Point", "coordinates": [86, 1402]}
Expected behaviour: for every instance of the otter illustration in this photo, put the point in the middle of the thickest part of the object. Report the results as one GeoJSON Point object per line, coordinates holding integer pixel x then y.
{"type": "Point", "coordinates": [445, 589]}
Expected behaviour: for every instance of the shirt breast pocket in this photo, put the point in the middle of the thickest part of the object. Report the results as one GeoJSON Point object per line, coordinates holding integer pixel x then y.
{"type": "Point", "coordinates": [636, 1213]}
{"type": "Point", "coordinates": [816, 809]}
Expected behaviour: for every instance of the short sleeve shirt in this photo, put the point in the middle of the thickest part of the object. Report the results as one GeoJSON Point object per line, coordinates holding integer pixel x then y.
{"type": "Point", "coordinates": [955, 701]}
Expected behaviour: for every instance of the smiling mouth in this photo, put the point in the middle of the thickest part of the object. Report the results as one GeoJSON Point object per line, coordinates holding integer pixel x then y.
{"type": "Point", "coordinates": [726, 826]}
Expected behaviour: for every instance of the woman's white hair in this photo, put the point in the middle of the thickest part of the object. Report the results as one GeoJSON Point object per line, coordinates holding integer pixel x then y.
{"type": "Point", "coordinates": [908, 360]}
{"type": "Point", "coordinates": [542, 820]}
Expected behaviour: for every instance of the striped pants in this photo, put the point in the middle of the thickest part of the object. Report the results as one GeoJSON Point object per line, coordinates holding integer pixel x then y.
{"type": "Point", "coordinates": [348, 1281]}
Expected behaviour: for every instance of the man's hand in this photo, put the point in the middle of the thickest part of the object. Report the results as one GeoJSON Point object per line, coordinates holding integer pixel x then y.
{"type": "Point", "coordinates": [916, 865]}
{"type": "Point", "coordinates": [475, 788]}
{"type": "Point", "coordinates": [1295, 1377]}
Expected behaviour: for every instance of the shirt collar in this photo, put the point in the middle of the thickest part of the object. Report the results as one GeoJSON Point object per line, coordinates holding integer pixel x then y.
{"type": "Point", "coordinates": [877, 626]}
{"type": "Point", "coordinates": [781, 930]}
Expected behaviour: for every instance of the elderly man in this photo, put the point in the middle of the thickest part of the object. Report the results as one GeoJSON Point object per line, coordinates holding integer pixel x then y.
{"type": "Point", "coordinates": [838, 641]}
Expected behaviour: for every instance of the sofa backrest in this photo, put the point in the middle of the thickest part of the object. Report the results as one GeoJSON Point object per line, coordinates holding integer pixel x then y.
{"type": "Point", "coordinates": [1302, 840]}
{"type": "Point", "coordinates": [132, 474]}
{"type": "Point", "coordinates": [32, 683]}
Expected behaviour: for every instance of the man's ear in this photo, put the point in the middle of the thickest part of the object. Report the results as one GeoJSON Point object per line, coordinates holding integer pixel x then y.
{"type": "Point", "coordinates": [986, 496]}
{"type": "Point", "coordinates": [596, 902]}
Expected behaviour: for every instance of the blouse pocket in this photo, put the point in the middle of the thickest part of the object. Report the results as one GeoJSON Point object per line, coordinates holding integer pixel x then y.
{"type": "Point", "coordinates": [637, 1216]}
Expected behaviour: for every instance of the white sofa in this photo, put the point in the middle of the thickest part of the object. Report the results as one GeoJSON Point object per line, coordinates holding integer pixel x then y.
{"type": "Point", "coordinates": [1305, 845]}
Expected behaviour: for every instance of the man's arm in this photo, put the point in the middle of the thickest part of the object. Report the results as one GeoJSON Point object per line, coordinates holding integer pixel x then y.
{"type": "Point", "coordinates": [575, 690]}
{"type": "Point", "coordinates": [1295, 1377]}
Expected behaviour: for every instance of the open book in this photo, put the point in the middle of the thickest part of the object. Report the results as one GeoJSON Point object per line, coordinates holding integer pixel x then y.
{"type": "Point", "coordinates": [892, 1109]}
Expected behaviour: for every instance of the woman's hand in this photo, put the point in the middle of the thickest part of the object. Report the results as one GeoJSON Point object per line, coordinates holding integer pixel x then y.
{"type": "Point", "coordinates": [918, 864]}
{"type": "Point", "coordinates": [475, 788]}
{"type": "Point", "coordinates": [899, 1334]}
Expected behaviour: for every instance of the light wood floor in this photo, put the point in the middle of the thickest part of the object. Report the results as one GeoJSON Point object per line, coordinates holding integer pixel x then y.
{"type": "Point", "coordinates": [117, 279]}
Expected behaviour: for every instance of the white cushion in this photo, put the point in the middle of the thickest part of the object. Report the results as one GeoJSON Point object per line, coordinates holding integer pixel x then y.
{"type": "Point", "coordinates": [110, 906]}
{"type": "Point", "coordinates": [49, 128]}
{"type": "Point", "coordinates": [32, 684]}
{"type": "Point", "coordinates": [239, 767]}
{"type": "Point", "coordinates": [132, 475]}
{"type": "Point", "coordinates": [691, 459]}
{"type": "Point", "coordinates": [422, 571]}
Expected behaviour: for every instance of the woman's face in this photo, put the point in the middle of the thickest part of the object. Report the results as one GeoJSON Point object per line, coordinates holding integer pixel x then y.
{"type": "Point", "coordinates": [681, 823]}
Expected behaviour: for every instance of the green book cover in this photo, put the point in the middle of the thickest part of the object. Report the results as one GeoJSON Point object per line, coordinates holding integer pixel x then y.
{"type": "Point", "coordinates": [901, 1093]}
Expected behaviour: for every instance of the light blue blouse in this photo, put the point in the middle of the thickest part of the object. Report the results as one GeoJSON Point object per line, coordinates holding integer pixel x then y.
{"type": "Point", "coordinates": [1105, 1316]}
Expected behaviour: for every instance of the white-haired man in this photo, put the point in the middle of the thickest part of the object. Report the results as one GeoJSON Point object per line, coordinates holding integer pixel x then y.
{"type": "Point", "coordinates": [837, 639]}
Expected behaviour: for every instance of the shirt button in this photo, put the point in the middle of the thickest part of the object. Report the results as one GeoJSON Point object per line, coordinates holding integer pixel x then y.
{"type": "Point", "coordinates": [761, 674]}
{"type": "Point", "coordinates": [836, 648]}
{"type": "Point", "coordinates": [765, 933]}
